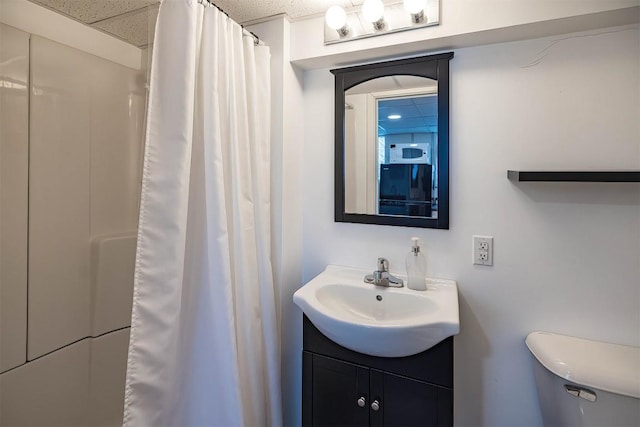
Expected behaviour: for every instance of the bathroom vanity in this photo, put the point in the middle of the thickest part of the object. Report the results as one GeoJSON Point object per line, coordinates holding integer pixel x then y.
{"type": "Point", "coordinates": [341, 387]}
{"type": "Point", "coordinates": [377, 355]}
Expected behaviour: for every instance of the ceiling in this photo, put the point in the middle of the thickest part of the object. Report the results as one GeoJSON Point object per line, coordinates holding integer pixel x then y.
{"type": "Point", "coordinates": [243, 11]}
{"type": "Point", "coordinates": [417, 114]}
{"type": "Point", "coordinates": [130, 20]}
{"type": "Point", "coordinates": [134, 20]}
{"type": "Point", "coordinates": [410, 97]}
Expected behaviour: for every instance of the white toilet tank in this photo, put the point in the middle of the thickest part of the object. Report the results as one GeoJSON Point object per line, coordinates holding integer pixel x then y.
{"type": "Point", "coordinates": [585, 383]}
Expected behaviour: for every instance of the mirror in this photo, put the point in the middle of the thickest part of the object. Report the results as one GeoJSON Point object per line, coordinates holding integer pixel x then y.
{"type": "Point", "coordinates": [392, 143]}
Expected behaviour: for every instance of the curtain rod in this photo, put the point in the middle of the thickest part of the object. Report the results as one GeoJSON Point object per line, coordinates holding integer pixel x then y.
{"type": "Point", "coordinates": [256, 39]}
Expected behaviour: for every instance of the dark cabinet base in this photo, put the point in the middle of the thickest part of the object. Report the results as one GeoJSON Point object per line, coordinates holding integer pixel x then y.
{"type": "Point", "coordinates": [344, 388]}
{"type": "Point", "coordinates": [336, 387]}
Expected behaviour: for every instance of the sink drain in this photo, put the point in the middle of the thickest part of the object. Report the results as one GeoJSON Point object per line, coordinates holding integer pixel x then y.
{"type": "Point", "coordinates": [379, 297]}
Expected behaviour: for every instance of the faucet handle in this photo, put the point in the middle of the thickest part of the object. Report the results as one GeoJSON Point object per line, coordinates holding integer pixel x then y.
{"type": "Point", "coordinates": [383, 264]}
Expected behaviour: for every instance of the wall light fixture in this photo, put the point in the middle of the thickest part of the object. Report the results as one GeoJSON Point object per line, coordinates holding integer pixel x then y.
{"type": "Point", "coordinates": [378, 17]}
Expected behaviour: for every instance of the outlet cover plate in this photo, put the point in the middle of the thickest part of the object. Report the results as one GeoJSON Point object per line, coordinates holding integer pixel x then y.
{"type": "Point", "coordinates": [482, 250]}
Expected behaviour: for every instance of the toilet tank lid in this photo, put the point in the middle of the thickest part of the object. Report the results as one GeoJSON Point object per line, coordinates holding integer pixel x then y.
{"type": "Point", "coordinates": [608, 367]}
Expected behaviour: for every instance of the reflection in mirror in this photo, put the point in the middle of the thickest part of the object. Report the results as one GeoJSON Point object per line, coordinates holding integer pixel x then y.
{"type": "Point", "coordinates": [392, 142]}
{"type": "Point", "coordinates": [391, 147]}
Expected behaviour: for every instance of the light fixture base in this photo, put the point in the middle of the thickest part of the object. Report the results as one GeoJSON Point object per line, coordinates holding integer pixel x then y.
{"type": "Point", "coordinates": [417, 18]}
{"type": "Point", "coordinates": [396, 19]}
{"type": "Point", "coordinates": [343, 32]}
{"type": "Point", "coordinates": [379, 25]}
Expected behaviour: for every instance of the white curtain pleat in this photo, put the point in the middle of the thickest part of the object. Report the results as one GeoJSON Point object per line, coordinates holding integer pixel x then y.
{"type": "Point", "coordinates": [204, 347]}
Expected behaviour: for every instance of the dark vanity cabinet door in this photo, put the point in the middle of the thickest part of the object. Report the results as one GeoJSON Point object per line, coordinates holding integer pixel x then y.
{"type": "Point", "coordinates": [337, 394]}
{"type": "Point", "coordinates": [404, 402]}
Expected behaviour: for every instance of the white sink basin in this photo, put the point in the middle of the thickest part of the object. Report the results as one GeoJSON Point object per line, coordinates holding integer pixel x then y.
{"type": "Point", "coordinates": [379, 321]}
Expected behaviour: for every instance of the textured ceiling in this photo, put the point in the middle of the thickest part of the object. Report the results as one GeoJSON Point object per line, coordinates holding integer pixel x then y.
{"type": "Point", "coordinates": [90, 11]}
{"type": "Point", "coordinates": [251, 10]}
{"type": "Point", "coordinates": [134, 20]}
{"type": "Point", "coordinates": [130, 20]}
{"type": "Point", "coordinates": [417, 114]}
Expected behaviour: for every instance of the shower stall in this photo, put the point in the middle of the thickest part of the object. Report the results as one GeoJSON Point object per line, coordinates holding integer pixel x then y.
{"type": "Point", "coordinates": [71, 134]}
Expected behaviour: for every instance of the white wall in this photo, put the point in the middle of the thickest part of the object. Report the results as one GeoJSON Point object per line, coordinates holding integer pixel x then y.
{"type": "Point", "coordinates": [286, 202]}
{"type": "Point", "coordinates": [567, 256]}
{"type": "Point", "coordinates": [360, 154]}
{"type": "Point", "coordinates": [464, 23]}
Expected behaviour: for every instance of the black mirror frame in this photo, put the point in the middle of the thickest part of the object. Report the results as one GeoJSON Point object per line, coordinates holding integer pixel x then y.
{"type": "Point", "coordinates": [433, 67]}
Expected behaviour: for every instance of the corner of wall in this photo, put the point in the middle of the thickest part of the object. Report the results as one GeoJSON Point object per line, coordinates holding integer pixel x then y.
{"type": "Point", "coordinates": [35, 19]}
{"type": "Point", "coordinates": [286, 193]}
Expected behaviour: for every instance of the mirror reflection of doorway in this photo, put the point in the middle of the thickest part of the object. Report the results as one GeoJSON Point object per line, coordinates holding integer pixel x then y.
{"type": "Point", "coordinates": [407, 155]}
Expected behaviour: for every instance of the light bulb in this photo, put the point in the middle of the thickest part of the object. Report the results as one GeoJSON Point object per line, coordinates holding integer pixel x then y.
{"type": "Point", "coordinates": [414, 6]}
{"type": "Point", "coordinates": [336, 17]}
{"type": "Point", "coordinates": [373, 10]}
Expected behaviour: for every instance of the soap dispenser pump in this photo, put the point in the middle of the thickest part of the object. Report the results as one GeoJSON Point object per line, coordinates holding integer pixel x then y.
{"type": "Point", "coordinates": [416, 268]}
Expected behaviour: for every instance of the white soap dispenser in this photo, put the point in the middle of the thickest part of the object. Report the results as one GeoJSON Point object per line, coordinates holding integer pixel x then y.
{"type": "Point", "coordinates": [416, 268]}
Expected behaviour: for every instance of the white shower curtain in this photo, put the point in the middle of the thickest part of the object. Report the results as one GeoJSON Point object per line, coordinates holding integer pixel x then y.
{"type": "Point", "coordinates": [204, 348]}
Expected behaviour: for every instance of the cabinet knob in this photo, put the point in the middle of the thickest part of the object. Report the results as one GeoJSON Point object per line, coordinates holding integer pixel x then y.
{"type": "Point", "coordinates": [361, 402]}
{"type": "Point", "coordinates": [375, 405]}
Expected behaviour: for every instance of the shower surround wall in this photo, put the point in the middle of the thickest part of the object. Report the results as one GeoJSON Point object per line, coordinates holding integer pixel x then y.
{"type": "Point", "coordinates": [14, 143]}
{"type": "Point", "coordinates": [77, 144]}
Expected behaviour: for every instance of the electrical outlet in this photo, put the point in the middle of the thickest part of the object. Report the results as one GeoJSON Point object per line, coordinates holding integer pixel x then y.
{"type": "Point", "coordinates": [482, 250]}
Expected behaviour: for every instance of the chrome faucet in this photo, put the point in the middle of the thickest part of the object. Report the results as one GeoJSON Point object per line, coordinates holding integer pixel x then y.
{"type": "Point", "coordinates": [382, 277]}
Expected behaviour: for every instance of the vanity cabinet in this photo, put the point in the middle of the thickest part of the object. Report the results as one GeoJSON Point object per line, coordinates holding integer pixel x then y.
{"type": "Point", "coordinates": [345, 388]}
